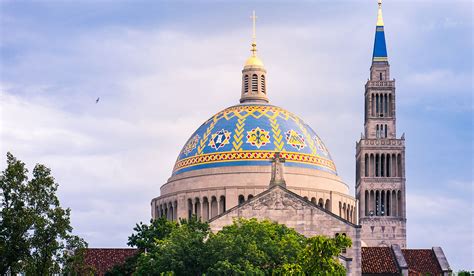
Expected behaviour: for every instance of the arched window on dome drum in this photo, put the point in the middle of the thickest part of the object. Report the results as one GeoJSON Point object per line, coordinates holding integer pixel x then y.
{"type": "Point", "coordinates": [214, 210]}
{"type": "Point", "coordinates": [175, 214]}
{"type": "Point", "coordinates": [241, 199]}
{"type": "Point", "coordinates": [321, 203]}
{"type": "Point", "coordinates": [327, 206]}
{"type": "Point", "coordinates": [313, 200]}
{"type": "Point", "coordinates": [246, 84]}
{"type": "Point", "coordinates": [340, 209]}
{"type": "Point", "coordinates": [250, 196]}
{"type": "Point", "coordinates": [222, 204]}
{"type": "Point", "coordinates": [305, 198]}
{"type": "Point", "coordinates": [254, 83]}
{"type": "Point", "coordinates": [205, 209]}
{"type": "Point", "coordinates": [197, 207]}
{"type": "Point", "coordinates": [262, 84]}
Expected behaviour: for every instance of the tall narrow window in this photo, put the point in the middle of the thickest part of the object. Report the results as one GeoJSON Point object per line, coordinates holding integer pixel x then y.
{"type": "Point", "coordinates": [246, 84]}
{"type": "Point", "coordinates": [377, 104]}
{"type": "Point", "coordinates": [254, 83]}
{"type": "Point", "coordinates": [390, 105]}
{"type": "Point", "coordinates": [377, 165]}
{"type": "Point", "coordinates": [366, 168]}
{"type": "Point", "coordinates": [377, 131]}
{"type": "Point", "coordinates": [386, 131]}
{"type": "Point", "coordinates": [380, 76]}
{"type": "Point", "coordinates": [262, 84]}
{"type": "Point", "coordinates": [372, 103]}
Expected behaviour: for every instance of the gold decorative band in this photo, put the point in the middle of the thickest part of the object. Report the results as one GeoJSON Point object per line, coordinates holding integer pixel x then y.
{"type": "Point", "coordinates": [253, 156]}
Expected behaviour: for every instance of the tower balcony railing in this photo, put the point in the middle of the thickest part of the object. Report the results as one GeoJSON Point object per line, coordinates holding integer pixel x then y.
{"type": "Point", "coordinates": [382, 83]}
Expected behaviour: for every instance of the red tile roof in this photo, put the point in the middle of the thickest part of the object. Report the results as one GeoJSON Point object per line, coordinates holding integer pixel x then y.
{"type": "Point", "coordinates": [378, 260]}
{"type": "Point", "coordinates": [422, 261]}
{"type": "Point", "coordinates": [103, 259]}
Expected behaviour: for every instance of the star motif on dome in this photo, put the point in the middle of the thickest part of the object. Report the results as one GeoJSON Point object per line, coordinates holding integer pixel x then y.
{"type": "Point", "coordinates": [321, 145]}
{"type": "Point", "coordinates": [258, 137]}
{"type": "Point", "coordinates": [295, 139]}
{"type": "Point", "coordinates": [219, 139]}
{"type": "Point", "coordinates": [191, 145]}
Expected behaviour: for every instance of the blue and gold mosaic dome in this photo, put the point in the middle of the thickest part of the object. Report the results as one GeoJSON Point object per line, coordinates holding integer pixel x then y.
{"type": "Point", "coordinates": [249, 135]}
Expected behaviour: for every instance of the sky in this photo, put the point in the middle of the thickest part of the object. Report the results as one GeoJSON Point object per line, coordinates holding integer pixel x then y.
{"type": "Point", "coordinates": [161, 68]}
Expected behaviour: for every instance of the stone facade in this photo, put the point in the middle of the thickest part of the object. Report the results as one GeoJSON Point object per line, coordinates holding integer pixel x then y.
{"type": "Point", "coordinates": [380, 164]}
{"type": "Point", "coordinates": [283, 206]}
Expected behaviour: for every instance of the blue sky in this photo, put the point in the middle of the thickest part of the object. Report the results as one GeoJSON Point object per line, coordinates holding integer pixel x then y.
{"type": "Point", "coordinates": [163, 68]}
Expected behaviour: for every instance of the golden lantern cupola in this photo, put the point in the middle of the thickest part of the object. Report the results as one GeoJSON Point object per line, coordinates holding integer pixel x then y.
{"type": "Point", "coordinates": [254, 87]}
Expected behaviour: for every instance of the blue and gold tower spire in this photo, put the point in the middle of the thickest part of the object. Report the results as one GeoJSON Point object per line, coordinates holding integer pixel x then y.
{"type": "Point", "coordinates": [380, 48]}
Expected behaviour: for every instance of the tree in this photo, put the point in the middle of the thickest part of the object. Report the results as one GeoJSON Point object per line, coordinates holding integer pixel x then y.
{"type": "Point", "coordinates": [182, 252]}
{"type": "Point", "coordinates": [35, 231]}
{"type": "Point", "coordinates": [16, 217]}
{"type": "Point", "coordinates": [146, 235]}
{"type": "Point", "coordinates": [247, 246]}
{"type": "Point", "coordinates": [319, 255]}
{"type": "Point", "coordinates": [251, 246]}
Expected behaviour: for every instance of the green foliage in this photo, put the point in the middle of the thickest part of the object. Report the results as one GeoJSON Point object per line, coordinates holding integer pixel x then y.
{"type": "Point", "coordinates": [146, 235]}
{"type": "Point", "coordinates": [464, 273]}
{"type": "Point", "coordinates": [35, 231]}
{"type": "Point", "coordinates": [182, 252]}
{"type": "Point", "coordinates": [318, 256]}
{"type": "Point", "coordinates": [245, 247]}
{"type": "Point", "coordinates": [253, 245]}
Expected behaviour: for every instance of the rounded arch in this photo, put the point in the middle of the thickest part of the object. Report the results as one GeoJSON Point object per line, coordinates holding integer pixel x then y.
{"type": "Point", "coordinates": [222, 205]}
{"type": "Point", "coordinates": [214, 208]}
{"type": "Point", "coordinates": [241, 199]}
{"type": "Point", "coordinates": [246, 83]}
{"type": "Point", "coordinates": [327, 206]}
{"type": "Point", "coordinates": [254, 83]}
{"type": "Point", "coordinates": [321, 203]}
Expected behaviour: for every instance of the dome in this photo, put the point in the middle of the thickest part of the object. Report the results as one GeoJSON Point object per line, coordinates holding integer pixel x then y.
{"type": "Point", "coordinates": [249, 135]}
{"type": "Point", "coordinates": [253, 61]}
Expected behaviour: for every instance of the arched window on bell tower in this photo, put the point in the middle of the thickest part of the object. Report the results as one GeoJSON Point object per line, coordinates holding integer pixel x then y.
{"type": "Point", "coordinates": [254, 83]}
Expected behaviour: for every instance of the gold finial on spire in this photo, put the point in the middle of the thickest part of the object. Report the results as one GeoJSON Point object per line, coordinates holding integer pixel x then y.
{"type": "Point", "coordinates": [253, 60]}
{"type": "Point", "coordinates": [254, 35]}
{"type": "Point", "coordinates": [379, 15]}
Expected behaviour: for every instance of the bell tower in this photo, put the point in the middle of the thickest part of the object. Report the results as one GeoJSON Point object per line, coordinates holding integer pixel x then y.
{"type": "Point", "coordinates": [254, 85]}
{"type": "Point", "coordinates": [380, 155]}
